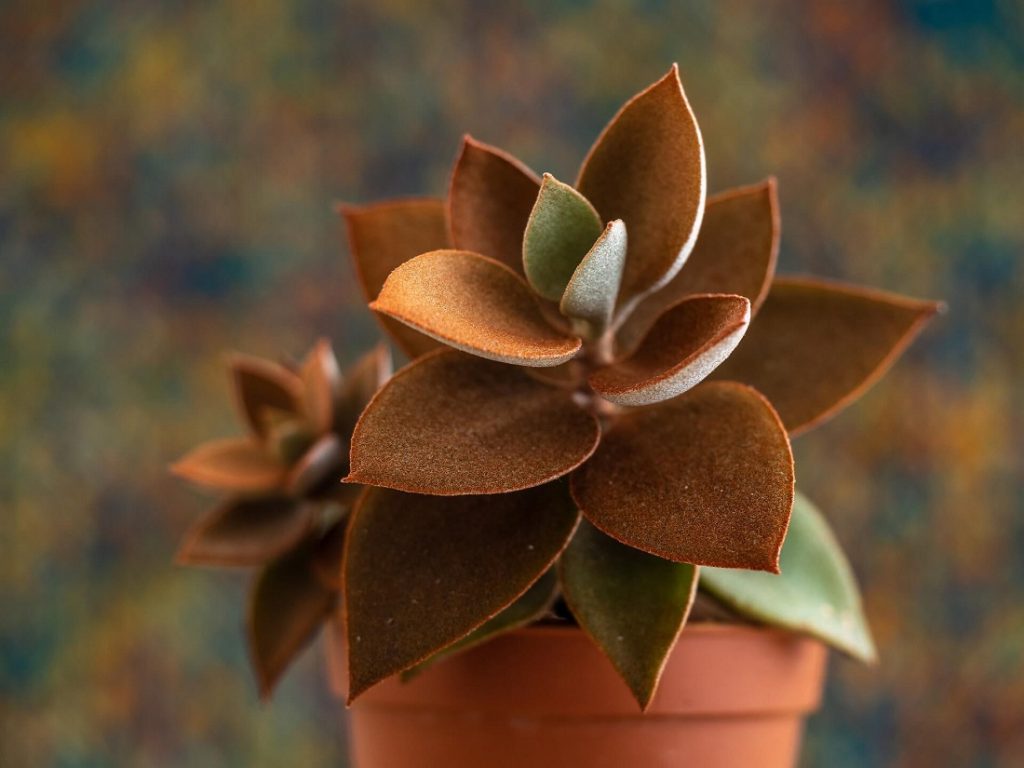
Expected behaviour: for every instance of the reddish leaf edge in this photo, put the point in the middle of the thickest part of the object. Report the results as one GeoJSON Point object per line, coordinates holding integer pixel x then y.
{"type": "Point", "coordinates": [354, 694]}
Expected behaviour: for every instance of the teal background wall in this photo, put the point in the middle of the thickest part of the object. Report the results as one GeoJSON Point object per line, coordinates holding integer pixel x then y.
{"type": "Point", "coordinates": [167, 175]}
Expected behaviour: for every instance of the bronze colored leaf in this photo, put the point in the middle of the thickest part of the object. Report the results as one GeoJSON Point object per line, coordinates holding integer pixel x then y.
{"type": "Point", "coordinates": [594, 286]}
{"type": "Point", "coordinates": [323, 463]}
{"type": "Point", "coordinates": [735, 253]}
{"type": "Point", "coordinates": [321, 379]}
{"type": "Point", "coordinates": [364, 378]}
{"type": "Point", "coordinates": [232, 464]}
{"type": "Point", "coordinates": [287, 605]}
{"type": "Point", "coordinates": [385, 235]}
{"type": "Point", "coordinates": [422, 572]}
{"type": "Point", "coordinates": [261, 386]}
{"type": "Point", "coordinates": [532, 606]}
{"type": "Point", "coordinates": [450, 424]}
{"type": "Point", "coordinates": [246, 531]}
{"type": "Point", "coordinates": [647, 168]}
{"type": "Point", "coordinates": [489, 202]}
{"type": "Point", "coordinates": [817, 346]}
{"type": "Point", "coordinates": [475, 304]}
{"type": "Point", "coordinates": [631, 603]}
{"type": "Point", "coordinates": [706, 479]}
{"type": "Point", "coordinates": [562, 227]}
{"type": "Point", "coordinates": [686, 344]}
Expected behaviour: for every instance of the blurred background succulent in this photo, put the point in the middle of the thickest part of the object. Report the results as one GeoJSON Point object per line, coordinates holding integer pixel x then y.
{"type": "Point", "coordinates": [286, 511]}
{"type": "Point", "coordinates": [581, 322]}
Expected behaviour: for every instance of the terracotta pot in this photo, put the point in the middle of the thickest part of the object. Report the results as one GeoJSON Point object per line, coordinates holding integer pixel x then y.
{"type": "Point", "coordinates": [545, 696]}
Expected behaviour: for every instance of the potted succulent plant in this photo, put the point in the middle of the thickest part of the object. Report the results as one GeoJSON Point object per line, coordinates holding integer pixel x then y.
{"type": "Point", "coordinates": [588, 452]}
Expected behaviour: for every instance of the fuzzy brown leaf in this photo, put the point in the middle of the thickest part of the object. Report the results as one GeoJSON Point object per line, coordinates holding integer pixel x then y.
{"type": "Point", "coordinates": [423, 572]}
{"type": "Point", "coordinates": [475, 304]}
{"type": "Point", "coordinates": [736, 251]}
{"type": "Point", "coordinates": [262, 386]}
{"type": "Point", "coordinates": [706, 479]}
{"type": "Point", "coordinates": [245, 532]}
{"type": "Point", "coordinates": [451, 424]}
{"type": "Point", "coordinates": [385, 235]}
{"type": "Point", "coordinates": [232, 464]}
{"type": "Point", "coordinates": [287, 606]}
{"type": "Point", "coordinates": [489, 202]}
{"type": "Point", "coordinates": [816, 346]}
{"type": "Point", "coordinates": [321, 379]}
{"type": "Point", "coordinates": [647, 168]}
{"type": "Point", "coordinates": [686, 344]}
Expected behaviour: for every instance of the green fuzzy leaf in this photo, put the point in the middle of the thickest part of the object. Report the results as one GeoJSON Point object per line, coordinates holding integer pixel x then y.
{"type": "Point", "coordinates": [591, 293]}
{"type": "Point", "coordinates": [526, 610]}
{"type": "Point", "coordinates": [815, 593]}
{"type": "Point", "coordinates": [561, 229]}
{"type": "Point", "coordinates": [631, 603]}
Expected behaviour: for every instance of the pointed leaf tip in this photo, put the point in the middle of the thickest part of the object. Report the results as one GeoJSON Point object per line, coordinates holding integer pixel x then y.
{"type": "Point", "coordinates": [262, 386]}
{"type": "Point", "coordinates": [232, 464]}
{"type": "Point", "coordinates": [647, 168]}
{"type": "Point", "coordinates": [815, 593]}
{"type": "Point", "coordinates": [475, 304]}
{"type": "Point", "coordinates": [451, 565]}
{"type": "Point", "coordinates": [706, 478]}
{"type": "Point", "coordinates": [385, 235]}
{"type": "Point", "coordinates": [561, 229]}
{"type": "Point", "coordinates": [631, 603]}
{"type": "Point", "coordinates": [245, 531]}
{"type": "Point", "coordinates": [287, 606]}
{"type": "Point", "coordinates": [489, 202]}
{"type": "Point", "coordinates": [817, 345]}
{"type": "Point", "coordinates": [594, 286]}
{"type": "Point", "coordinates": [736, 251]}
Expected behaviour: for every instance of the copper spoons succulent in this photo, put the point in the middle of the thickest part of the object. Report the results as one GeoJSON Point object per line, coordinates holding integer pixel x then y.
{"type": "Point", "coordinates": [604, 381]}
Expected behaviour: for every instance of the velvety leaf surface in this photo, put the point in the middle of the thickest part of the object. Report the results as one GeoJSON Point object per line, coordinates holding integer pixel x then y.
{"type": "Point", "coordinates": [246, 531]}
{"type": "Point", "coordinates": [489, 202]}
{"type": "Point", "coordinates": [706, 478]}
{"type": "Point", "coordinates": [736, 251]}
{"type": "Point", "coordinates": [647, 168]}
{"type": "Point", "coordinates": [816, 592]}
{"type": "Point", "coordinates": [475, 304]}
{"type": "Point", "coordinates": [286, 608]}
{"type": "Point", "coordinates": [385, 235]}
{"type": "Point", "coordinates": [322, 463]}
{"type": "Point", "coordinates": [362, 381]}
{"type": "Point", "coordinates": [560, 231]}
{"type": "Point", "coordinates": [816, 346]}
{"type": "Point", "coordinates": [232, 464]}
{"type": "Point", "coordinates": [321, 378]}
{"type": "Point", "coordinates": [631, 603]}
{"type": "Point", "coordinates": [422, 572]}
{"type": "Point", "coordinates": [686, 344]}
{"type": "Point", "coordinates": [594, 286]}
{"type": "Point", "coordinates": [261, 386]}
{"type": "Point", "coordinates": [534, 603]}
{"type": "Point", "coordinates": [451, 424]}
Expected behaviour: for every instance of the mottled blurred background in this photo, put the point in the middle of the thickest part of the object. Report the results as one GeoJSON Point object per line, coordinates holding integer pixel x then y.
{"type": "Point", "coordinates": [167, 178]}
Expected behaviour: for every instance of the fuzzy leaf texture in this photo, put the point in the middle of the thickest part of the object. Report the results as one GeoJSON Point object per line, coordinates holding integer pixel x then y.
{"type": "Point", "coordinates": [561, 230]}
{"type": "Point", "coordinates": [816, 592]}
{"type": "Point", "coordinates": [631, 603]}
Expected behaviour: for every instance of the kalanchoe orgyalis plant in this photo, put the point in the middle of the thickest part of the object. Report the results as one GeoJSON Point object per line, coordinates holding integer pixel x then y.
{"type": "Point", "coordinates": [618, 350]}
{"type": "Point", "coordinates": [287, 509]}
